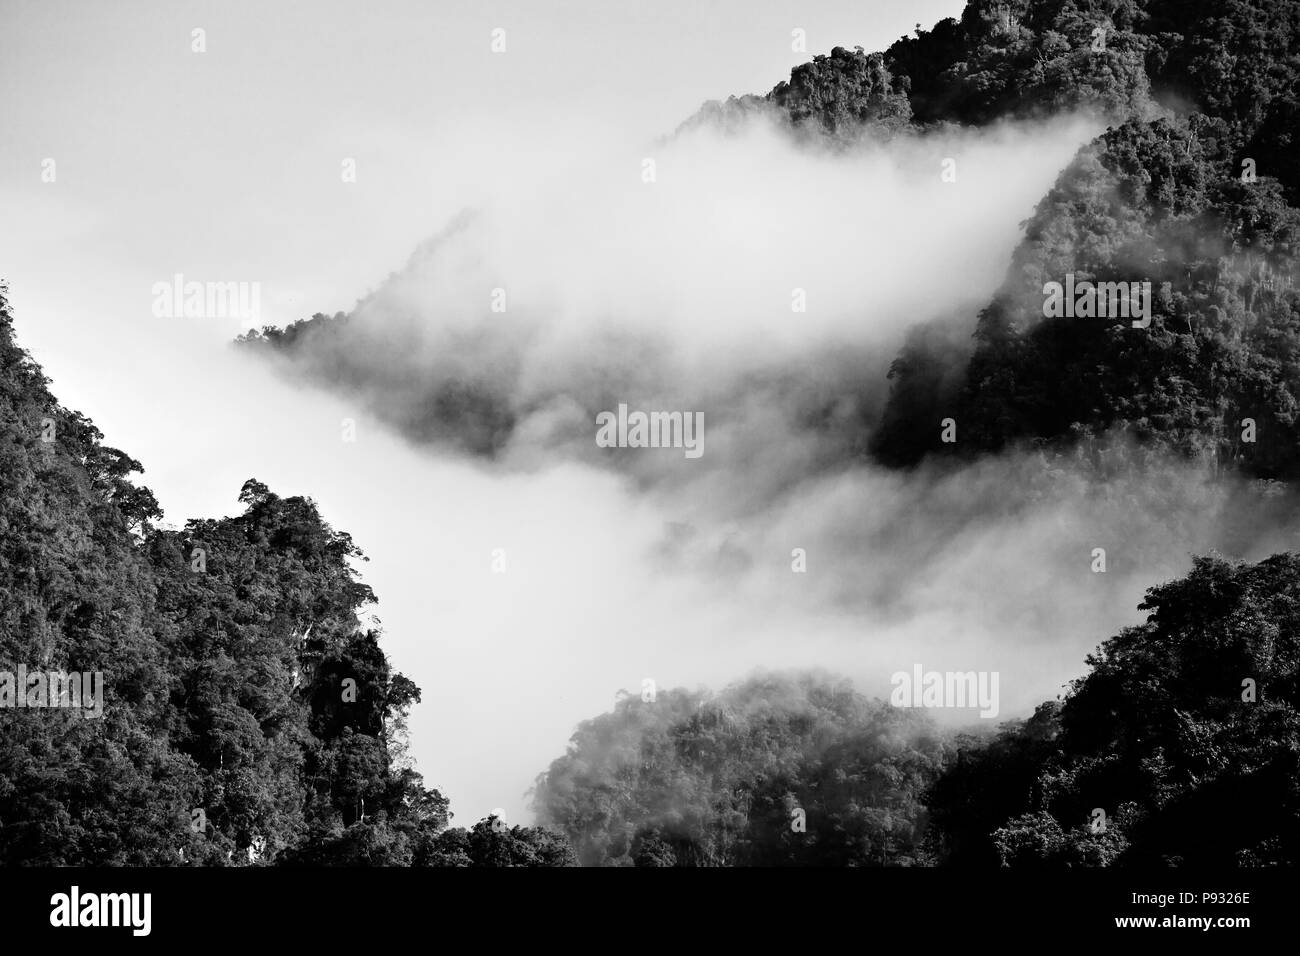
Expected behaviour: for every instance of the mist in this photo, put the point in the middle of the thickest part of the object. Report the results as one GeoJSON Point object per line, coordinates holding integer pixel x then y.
{"type": "Point", "coordinates": [526, 575]}
{"type": "Point", "coordinates": [760, 280]}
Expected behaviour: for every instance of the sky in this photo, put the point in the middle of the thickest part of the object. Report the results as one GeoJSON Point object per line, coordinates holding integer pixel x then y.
{"type": "Point", "coordinates": [226, 165]}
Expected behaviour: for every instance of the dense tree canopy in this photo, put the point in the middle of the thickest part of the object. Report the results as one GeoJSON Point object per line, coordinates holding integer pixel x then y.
{"type": "Point", "coordinates": [1179, 746]}
{"type": "Point", "coordinates": [1196, 203]}
{"type": "Point", "coordinates": [248, 715]}
{"type": "Point", "coordinates": [1184, 734]}
{"type": "Point", "coordinates": [691, 780]}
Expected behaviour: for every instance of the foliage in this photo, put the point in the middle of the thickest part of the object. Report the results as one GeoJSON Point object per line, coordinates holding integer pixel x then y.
{"type": "Point", "coordinates": [687, 780]}
{"type": "Point", "coordinates": [249, 717]}
{"type": "Point", "coordinates": [1161, 735]}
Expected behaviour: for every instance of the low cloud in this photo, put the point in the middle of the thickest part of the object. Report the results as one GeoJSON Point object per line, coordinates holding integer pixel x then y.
{"type": "Point", "coordinates": [627, 563]}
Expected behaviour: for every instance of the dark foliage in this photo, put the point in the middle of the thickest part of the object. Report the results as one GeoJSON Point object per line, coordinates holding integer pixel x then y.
{"type": "Point", "coordinates": [248, 716]}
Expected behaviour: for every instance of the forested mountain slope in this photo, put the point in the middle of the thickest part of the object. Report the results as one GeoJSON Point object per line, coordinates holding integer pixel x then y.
{"type": "Point", "coordinates": [246, 715]}
{"type": "Point", "coordinates": [1184, 734]}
